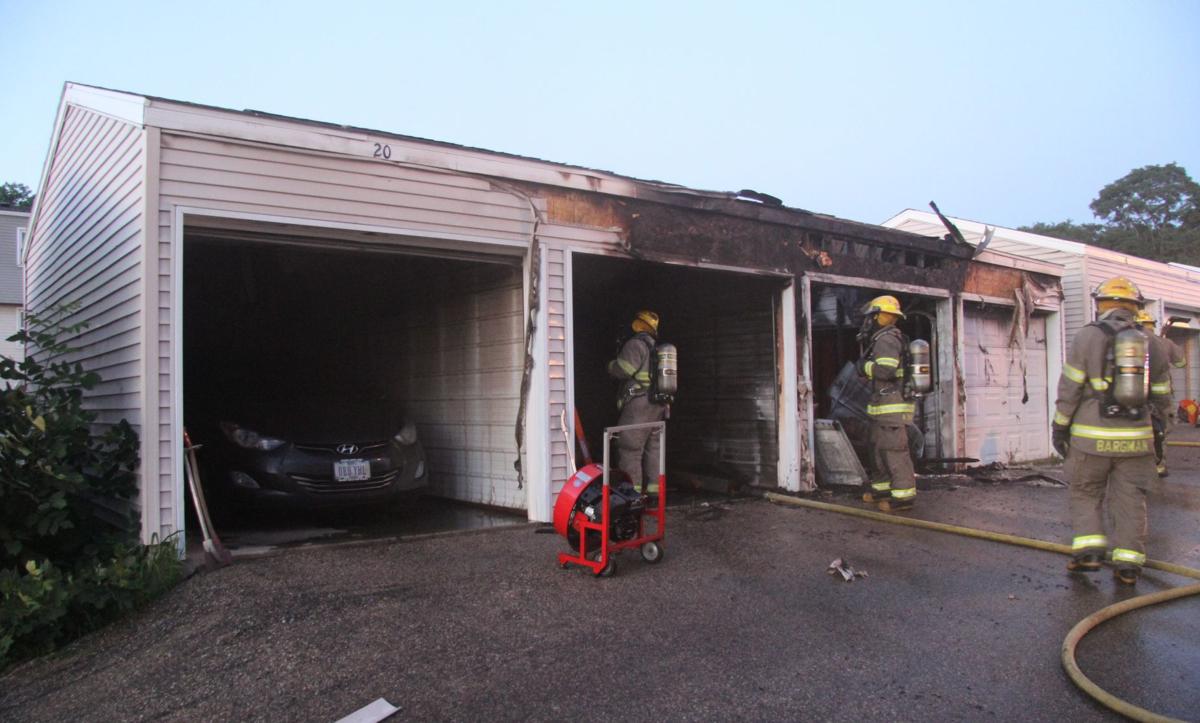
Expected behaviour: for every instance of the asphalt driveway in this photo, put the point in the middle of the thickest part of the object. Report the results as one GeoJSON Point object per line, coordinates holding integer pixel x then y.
{"type": "Point", "coordinates": [740, 621]}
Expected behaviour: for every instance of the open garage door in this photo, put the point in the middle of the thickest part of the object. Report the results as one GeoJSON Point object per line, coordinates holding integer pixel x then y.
{"type": "Point", "coordinates": [343, 356]}
{"type": "Point", "coordinates": [1006, 411]}
{"type": "Point", "coordinates": [724, 424]}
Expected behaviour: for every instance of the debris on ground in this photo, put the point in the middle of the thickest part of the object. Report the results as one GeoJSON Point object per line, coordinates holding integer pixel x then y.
{"type": "Point", "coordinates": [998, 472]}
{"type": "Point", "coordinates": [842, 567]}
{"type": "Point", "coordinates": [704, 512]}
{"type": "Point", "coordinates": [718, 478]}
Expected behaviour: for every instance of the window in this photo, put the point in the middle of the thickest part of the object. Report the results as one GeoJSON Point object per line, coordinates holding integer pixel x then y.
{"type": "Point", "coordinates": [20, 246]}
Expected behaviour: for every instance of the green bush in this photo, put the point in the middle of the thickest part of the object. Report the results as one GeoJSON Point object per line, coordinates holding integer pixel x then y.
{"type": "Point", "coordinates": [69, 554]}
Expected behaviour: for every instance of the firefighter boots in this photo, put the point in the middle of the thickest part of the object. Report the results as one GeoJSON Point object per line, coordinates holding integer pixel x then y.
{"type": "Point", "coordinates": [1088, 562]}
{"type": "Point", "coordinates": [1126, 575]}
{"type": "Point", "coordinates": [896, 505]}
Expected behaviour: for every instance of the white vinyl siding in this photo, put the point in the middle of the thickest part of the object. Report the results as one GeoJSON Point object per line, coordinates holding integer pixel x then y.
{"type": "Point", "coordinates": [10, 322]}
{"type": "Point", "coordinates": [556, 367]}
{"type": "Point", "coordinates": [87, 249]}
{"type": "Point", "coordinates": [1000, 427]}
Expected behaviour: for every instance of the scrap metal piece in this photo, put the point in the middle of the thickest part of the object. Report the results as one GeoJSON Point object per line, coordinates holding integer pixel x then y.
{"type": "Point", "coordinates": [378, 710]}
{"type": "Point", "coordinates": [842, 567]}
{"type": "Point", "coordinates": [837, 462]}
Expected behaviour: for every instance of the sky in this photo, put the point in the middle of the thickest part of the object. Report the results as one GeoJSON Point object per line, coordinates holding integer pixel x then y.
{"type": "Point", "coordinates": [1007, 113]}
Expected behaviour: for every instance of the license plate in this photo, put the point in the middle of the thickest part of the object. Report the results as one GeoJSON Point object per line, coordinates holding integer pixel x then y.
{"type": "Point", "coordinates": [351, 470]}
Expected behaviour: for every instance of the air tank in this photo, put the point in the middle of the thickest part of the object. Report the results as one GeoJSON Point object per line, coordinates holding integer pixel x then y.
{"type": "Point", "coordinates": [1131, 375]}
{"type": "Point", "coordinates": [920, 375]}
{"type": "Point", "coordinates": [666, 376]}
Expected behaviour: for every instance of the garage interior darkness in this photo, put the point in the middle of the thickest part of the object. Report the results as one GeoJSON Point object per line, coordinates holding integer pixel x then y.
{"type": "Point", "coordinates": [837, 316]}
{"type": "Point", "coordinates": [349, 332]}
{"type": "Point", "coordinates": [723, 425]}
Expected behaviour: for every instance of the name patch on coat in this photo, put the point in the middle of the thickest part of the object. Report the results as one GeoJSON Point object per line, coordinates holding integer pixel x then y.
{"type": "Point", "coordinates": [1124, 446]}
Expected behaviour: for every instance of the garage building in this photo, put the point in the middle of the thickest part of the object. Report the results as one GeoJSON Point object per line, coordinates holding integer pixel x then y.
{"type": "Point", "coordinates": [1172, 290]}
{"type": "Point", "coordinates": [482, 291]}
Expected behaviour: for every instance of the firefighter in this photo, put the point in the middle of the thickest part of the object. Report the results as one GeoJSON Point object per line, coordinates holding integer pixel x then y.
{"type": "Point", "coordinates": [1102, 426]}
{"type": "Point", "coordinates": [893, 484]}
{"type": "Point", "coordinates": [1176, 358]}
{"type": "Point", "coordinates": [638, 450]}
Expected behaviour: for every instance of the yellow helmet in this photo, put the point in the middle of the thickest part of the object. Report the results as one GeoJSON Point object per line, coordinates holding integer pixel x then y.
{"type": "Point", "coordinates": [1119, 288]}
{"type": "Point", "coordinates": [1145, 318]}
{"type": "Point", "coordinates": [646, 321]}
{"type": "Point", "coordinates": [885, 304]}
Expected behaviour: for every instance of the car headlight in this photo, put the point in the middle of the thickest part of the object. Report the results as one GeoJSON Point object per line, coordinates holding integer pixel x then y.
{"type": "Point", "coordinates": [407, 434]}
{"type": "Point", "coordinates": [249, 439]}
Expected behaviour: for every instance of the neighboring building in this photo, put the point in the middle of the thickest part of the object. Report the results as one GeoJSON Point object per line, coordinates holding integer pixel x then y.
{"type": "Point", "coordinates": [1173, 290]}
{"type": "Point", "coordinates": [500, 283]}
{"type": "Point", "coordinates": [13, 224]}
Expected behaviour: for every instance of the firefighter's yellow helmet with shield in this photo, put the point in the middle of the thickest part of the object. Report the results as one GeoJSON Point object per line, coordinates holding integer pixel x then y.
{"type": "Point", "coordinates": [646, 321]}
{"type": "Point", "coordinates": [1118, 288]}
{"type": "Point", "coordinates": [883, 304]}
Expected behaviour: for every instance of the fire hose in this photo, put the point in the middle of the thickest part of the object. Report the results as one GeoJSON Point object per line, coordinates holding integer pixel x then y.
{"type": "Point", "coordinates": [1082, 628]}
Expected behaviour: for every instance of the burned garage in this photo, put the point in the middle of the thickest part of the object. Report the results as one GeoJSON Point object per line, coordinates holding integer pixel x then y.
{"type": "Point", "coordinates": [471, 301]}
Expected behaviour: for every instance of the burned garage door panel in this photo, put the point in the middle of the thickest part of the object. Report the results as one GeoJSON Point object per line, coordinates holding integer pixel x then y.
{"type": "Point", "coordinates": [727, 412]}
{"type": "Point", "coordinates": [1006, 402]}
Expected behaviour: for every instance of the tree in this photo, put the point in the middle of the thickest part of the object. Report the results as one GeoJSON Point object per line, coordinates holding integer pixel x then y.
{"type": "Point", "coordinates": [16, 195]}
{"type": "Point", "coordinates": [1088, 233]}
{"type": "Point", "coordinates": [1152, 211]}
{"type": "Point", "coordinates": [1150, 197]}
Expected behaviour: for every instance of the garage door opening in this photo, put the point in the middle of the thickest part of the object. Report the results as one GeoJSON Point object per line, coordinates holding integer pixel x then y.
{"type": "Point", "coordinates": [837, 317]}
{"type": "Point", "coordinates": [723, 431]}
{"type": "Point", "coordinates": [309, 371]}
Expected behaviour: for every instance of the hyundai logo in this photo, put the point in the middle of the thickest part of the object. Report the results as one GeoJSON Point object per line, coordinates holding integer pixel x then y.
{"type": "Point", "coordinates": [347, 448]}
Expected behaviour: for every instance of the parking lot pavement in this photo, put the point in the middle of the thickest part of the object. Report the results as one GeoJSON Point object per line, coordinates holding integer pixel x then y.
{"type": "Point", "coordinates": [740, 621]}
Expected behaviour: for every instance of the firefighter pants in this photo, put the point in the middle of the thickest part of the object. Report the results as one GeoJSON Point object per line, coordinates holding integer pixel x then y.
{"type": "Point", "coordinates": [1123, 481]}
{"type": "Point", "coordinates": [892, 461]}
{"type": "Point", "coordinates": [638, 449]}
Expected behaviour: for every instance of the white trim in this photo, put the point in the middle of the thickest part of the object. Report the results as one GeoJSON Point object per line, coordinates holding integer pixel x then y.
{"type": "Point", "coordinates": [836, 280]}
{"type": "Point", "coordinates": [947, 378]}
{"type": "Point", "coordinates": [808, 464]}
{"type": "Point", "coordinates": [115, 104]}
{"type": "Point", "coordinates": [537, 427]}
{"type": "Point", "coordinates": [1055, 354]}
{"type": "Point", "coordinates": [569, 341]}
{"type": "Point", "coordinates": [26, 214]}
{"type": "Point", "coordinates": [788, 467]}
{"type": "Point", "coordinates": [151, 472]}
{"type": "Point", "coordinates": [178, 219]}
{"type": "Point", "coordinates": [959, 421]}
{"type": "Point", "coordinates": [22, 239]}
{"type": "Point", "coordinates": [513, 247]}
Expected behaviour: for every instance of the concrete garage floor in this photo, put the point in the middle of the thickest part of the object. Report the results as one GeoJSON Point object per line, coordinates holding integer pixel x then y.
{"type": "Point", "coordinates": [250, 534]}
{"type": "Point", "coordinates": [740, 621]}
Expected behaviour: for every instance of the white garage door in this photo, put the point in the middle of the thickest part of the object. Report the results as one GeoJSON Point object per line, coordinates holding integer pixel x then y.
{"type": "Point", "coordinates": [465, 358]}
{"type": "Point", "coordinates": [1002, 423]}
{"type": "Point", "coordinates": [1184, 381]}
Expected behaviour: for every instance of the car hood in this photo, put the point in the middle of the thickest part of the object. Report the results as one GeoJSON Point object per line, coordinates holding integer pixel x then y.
{"type": "Point", "coordinates": [329, 422]}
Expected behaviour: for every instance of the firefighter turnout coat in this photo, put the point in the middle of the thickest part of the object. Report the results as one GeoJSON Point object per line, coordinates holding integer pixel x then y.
{"type": "Point", "coordinates": [883, 365]}
{"type": "Point", "coordinates": [1083, 387]}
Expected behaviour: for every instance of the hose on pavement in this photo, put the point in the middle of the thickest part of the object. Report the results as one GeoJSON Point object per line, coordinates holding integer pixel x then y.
{"type": "Point", "coordinates": [1082, 628]}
